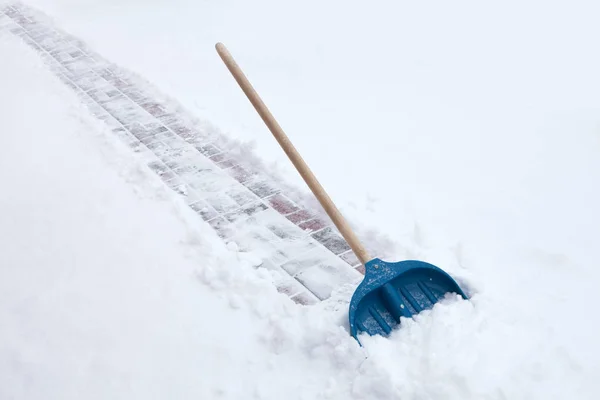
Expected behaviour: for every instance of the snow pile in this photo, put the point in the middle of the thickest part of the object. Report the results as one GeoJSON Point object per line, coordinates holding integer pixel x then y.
{"type": "Point", "coordinates": [111, 288]}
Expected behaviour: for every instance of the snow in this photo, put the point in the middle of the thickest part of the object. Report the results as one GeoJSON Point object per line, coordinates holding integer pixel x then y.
{"type": "Point", "coordinates": [106, 278]}
{"type": "Point", "coordinates": [477, 135]}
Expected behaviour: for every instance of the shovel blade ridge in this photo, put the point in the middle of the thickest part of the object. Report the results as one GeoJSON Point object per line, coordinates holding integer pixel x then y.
{"type": "Point", "coordinates": [390, 291]}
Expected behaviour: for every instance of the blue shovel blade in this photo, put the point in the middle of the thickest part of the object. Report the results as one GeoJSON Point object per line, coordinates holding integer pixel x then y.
{"type": "Point", "coordinates": [393, 290]}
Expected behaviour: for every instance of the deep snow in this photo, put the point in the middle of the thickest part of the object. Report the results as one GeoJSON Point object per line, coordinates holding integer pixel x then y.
{"type": "Point", "coordinates": [523, 226]}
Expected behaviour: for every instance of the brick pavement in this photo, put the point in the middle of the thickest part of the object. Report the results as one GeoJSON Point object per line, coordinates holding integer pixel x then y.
{"type": "Point", "coordinates": [241, 202]}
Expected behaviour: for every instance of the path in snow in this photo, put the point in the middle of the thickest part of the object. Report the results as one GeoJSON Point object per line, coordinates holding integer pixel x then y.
{"type": "Point", "coordinates": [215, 176]}
{"type": "Point", "coordinates": [110, 286]}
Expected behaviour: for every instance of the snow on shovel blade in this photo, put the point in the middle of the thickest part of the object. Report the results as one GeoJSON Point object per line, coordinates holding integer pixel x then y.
{"type": "Point", "coordinates": [393, 290]}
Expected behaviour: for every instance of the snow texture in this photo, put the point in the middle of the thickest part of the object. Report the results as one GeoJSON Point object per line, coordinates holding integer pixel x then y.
{"type": "Point", "coordinates": [111, 286]}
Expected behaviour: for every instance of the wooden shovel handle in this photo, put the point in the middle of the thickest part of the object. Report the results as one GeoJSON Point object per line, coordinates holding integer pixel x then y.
{"type": "Point", "coordinates": [293, 155]}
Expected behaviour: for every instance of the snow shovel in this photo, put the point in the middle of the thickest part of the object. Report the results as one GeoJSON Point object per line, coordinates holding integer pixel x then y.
{"type": "Point", "coordinates": [389, 291]}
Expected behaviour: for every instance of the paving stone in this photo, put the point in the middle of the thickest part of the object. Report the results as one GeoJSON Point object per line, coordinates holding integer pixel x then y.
{"type": "Point", "coordinates": [174, 142]}
{"type": "Point", "coordinates": [285, 230]}
{"type": "Point", "coordinates": [190, 195]}
{"type": "Point", "coordinates": [241, 195]}
{"type": "Point", "coordinates": [332, 240]}
{"type": "Point", "coordinates": [290, 287]}
{"type": "Point", "coordinates": [155, 109]}
{"type": "Point", "coordinates": [301, 248]}
{"type": "Point", "coordinates": [179, 158]}
{"type": "Point", "coordinates": [282, 204]}
{"type": "Point", "coordinates": [360, 269]}
{"type": "Point", "coordinates": [350, 258]}
{"type": "Point", "coordinates": [208, 181]}
{"type": "Point", "coordinates": [87, 81]}
{"type": "Point", "coordinates": [104, 94]}
{"type": "Point", "coordinates": [179, 187]}
{"type": "Point", "coordinates": [180, 129]}
{"type": "Point", "coordinates": [161, 150]}
{"type": "Point", "coordinates": [204, 210]}
{"type": "Point", "coordinates": [262, 188]}
{"type": "Point", "coordinates": [313, 225]}
{"type": "Point", "coordinates": [293, 240]}
{"type": "Point", "coordinates": [224, 160]}
{"type": "Point", "coordinates": [169, 119]}
{"type": "Point", "coordinates": [222, 203]}
{"type": "Point", "coordinates": [241, 174]}
{"type": "Point", "coordinates": [245, 212]}
{"type": "Point", "coordinates": [219, 157]}
{"type": "Point", "coordinates": [305, 298]}
{"type": "Point", "coordinates": [300, 216]}
{"type": "Point", "coordinates": [222, 227]}
{"type": "Point", "coordinates": [148, 139]}
{"type": "Point", "coordinates": [209, 150]}
{"type": "Point", "coordinates": [167, 176]}
{"type": "Point", "coordinates": [134, 95]}
{"type": "Point", "coordinates": [326, 276]}
{"type": "Point", "coordinates": [227, 164]}
{"type": "Point", "coordinates": [249, 236]}
{"type": "Point", "coordinates": [139, 130]}
{"type": "Point", "coordinates": [192, 168]}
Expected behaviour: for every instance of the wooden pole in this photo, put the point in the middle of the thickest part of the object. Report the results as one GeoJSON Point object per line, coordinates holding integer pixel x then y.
{"type": "Point", "coordinates": [289, 149]}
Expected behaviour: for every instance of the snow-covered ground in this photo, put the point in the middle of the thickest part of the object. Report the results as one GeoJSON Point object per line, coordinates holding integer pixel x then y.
{"type": "Point", "coordinates": [111, 288]}
{"type": "Point", "coordinates": [483, 148]}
